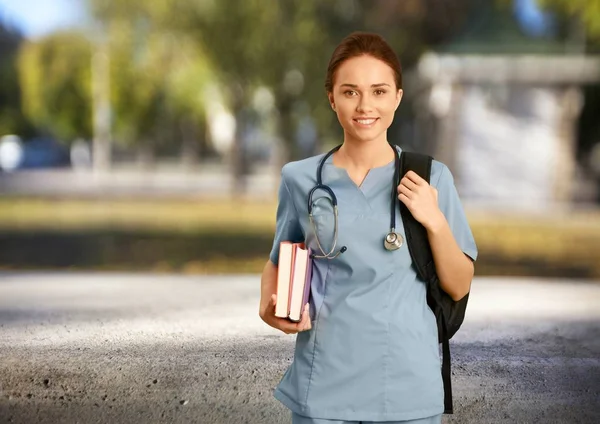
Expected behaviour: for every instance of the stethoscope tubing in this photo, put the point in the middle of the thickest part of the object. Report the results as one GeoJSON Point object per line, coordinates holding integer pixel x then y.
{"type": "Point", "coordinates": [392, 240]}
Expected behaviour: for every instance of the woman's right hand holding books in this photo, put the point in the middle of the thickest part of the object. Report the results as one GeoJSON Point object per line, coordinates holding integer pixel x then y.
{"type": "Point", "coordinates": [267, 314]}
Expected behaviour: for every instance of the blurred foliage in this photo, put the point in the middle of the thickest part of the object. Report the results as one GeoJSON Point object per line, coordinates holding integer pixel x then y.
{"type": "Point", "coordinates": [157, 80]}
{"type": "Point", "coordinates": [12, 119]}
{"type": "Point", "coordinates": [196, 236]}
{"type": "Point", "coordinates": [55, 79]}
{"type": "Point", "coordinates": [587, 11]}
{"type": "Point", "coordinates": [167, 56]}
{"type": "Point", "coordinates": [283, 45]}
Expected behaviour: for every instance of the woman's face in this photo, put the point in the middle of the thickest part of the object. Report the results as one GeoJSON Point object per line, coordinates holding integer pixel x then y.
{"type": "Point", "coordinates": [365, 97]}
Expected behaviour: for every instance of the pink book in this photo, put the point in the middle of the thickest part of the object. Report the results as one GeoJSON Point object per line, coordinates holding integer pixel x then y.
{"type": "Point", "coordinates": [301, 278]}
{"type": "Point", "coordinates": [285, 269]}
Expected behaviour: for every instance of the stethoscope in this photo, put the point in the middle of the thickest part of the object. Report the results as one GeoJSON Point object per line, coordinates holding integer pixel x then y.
{"type": "Point", "coordinates": [392, 240]}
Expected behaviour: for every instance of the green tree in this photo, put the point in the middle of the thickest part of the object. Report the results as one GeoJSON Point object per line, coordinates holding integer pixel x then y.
{"type": "Point", "coordinates": [54, 75]}
{"type": "Point", "coordinates": [157, 79]}
{"type": "Point", "coordinates": [12, 120]}
{"type": "Point", "coordinates": [187, 83]}
{"type": "Point", "coordinates": [235, 36]}
{"type": "Point", "coordinates": [252, 43]}
{"type": "Point", "coordinates": [285, 46]}
{"type": "Point", "coordinates": [138, 63]}
{"type": "Point", "coordinates": [260, 42]}
{"type": "Point", "coordinates": [585, 11]}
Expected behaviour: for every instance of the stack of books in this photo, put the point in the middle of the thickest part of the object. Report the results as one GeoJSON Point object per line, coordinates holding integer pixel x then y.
{"type": "Point", "coordinates": [293, 280]}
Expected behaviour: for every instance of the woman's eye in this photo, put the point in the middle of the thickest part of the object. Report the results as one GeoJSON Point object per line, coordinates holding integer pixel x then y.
{"type": "Point", "coordinates": [379, 92]}
{"type": "Point", "coordinates": [350, 93]}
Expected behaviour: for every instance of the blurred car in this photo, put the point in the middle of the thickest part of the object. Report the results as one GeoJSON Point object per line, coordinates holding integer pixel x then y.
{"type": "Point", "coordinates": [36, 153]}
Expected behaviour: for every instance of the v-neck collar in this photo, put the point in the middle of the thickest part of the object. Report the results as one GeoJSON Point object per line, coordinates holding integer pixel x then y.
{"type": "Point", "coordinates": [370, 175]}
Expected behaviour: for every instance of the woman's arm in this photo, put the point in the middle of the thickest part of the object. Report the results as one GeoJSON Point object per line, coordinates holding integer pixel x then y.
{"type": "Point", "coordinates": [287, 228]}
{"type": "Point", "coordinates": [268, 287]}
{"type": "Point", "coordinates": [454, 268]}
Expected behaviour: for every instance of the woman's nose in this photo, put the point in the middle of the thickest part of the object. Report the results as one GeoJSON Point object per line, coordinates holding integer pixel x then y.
{"type": "Point", "coordinates": [364, 104]}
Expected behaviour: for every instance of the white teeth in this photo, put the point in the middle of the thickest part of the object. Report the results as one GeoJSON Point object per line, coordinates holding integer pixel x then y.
{"type": "Point", "coordinates": [365, 121]}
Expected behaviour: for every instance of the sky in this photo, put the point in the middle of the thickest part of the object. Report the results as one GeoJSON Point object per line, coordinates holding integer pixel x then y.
{"type": "Point", "coordinates": [533, 20]}
{"type": "Point", "coordinates": [36, 18]}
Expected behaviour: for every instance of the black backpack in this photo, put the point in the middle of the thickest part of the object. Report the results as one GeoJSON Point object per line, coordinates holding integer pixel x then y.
{"type": "Point", "coordinates": [448, 313]}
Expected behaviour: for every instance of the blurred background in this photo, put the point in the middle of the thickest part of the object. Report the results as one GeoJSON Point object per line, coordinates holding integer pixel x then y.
{"type": "Point", "coordinates": [149, 136]}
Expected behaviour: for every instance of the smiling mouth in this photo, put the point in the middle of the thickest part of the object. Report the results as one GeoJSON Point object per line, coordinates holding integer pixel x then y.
{"type": "Point", "coordinates": [365, 121]}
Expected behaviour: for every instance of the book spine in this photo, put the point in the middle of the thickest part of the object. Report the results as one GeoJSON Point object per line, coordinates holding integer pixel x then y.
{"type": "Point", "coordinates": [307, 283]}
{"type": "Point", "coordinates": [292, 269]}
{"type": "Point", "coordinates": [283, 280]}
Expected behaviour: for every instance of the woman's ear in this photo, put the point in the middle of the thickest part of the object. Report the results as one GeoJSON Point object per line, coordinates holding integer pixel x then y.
{"type": "Point", "coordinates": [331, 100]}
{"type": "Point", "coordinates": [399, 94]}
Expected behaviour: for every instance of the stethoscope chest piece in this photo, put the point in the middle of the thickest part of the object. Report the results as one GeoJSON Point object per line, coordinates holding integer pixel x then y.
{"type": "Point", "coordinates": [392, 241]}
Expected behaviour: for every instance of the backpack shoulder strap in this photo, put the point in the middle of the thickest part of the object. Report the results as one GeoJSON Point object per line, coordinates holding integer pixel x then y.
{"type": "Point", "coordinates": [416, 234]}
{"type": "Point", "coordinates": [422, 257]}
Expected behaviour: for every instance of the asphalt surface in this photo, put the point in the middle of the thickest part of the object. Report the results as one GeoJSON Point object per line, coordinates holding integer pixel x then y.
{"type": "Point", "coordinates": [117, 348]}
{"type": "Point", "coordinates": [213, 181]}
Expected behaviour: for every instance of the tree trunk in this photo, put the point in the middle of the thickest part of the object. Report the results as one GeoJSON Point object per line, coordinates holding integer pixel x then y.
{"type": "Point", "coordinates": [145, 156]}
{"type": "Point", "coordinates": [190, 147]}
{"type": "Point", "coordinates": [284, 151]}
{"type": "Point", "coordinates": [238, 162]}
{"type": "Point", "coordinates": [101, 145]}
{"type": "Point", "coordinates": [289, 149]}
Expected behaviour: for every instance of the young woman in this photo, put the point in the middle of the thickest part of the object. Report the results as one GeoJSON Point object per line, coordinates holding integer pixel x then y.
{"type": "Point", "coordinates": [367, 347]}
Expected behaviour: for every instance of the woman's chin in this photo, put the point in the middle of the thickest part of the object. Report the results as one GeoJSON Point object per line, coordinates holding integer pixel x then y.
{"type": "Point", "coordinates": [365, 136]}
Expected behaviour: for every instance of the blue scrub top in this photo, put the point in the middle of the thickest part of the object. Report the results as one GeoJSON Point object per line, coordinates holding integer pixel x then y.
{"type": "Point", "coordinates": [372, 353]}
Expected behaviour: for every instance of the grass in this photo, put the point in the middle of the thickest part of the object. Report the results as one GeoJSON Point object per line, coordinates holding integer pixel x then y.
{"type": "Point", "coordinates": [509, 242]}
{"type": "Point", "coordinates": [149, 215]}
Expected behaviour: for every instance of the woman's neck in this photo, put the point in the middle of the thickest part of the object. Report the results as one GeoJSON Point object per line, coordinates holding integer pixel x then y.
{"type": "Point", "coordinates": [364, 154]}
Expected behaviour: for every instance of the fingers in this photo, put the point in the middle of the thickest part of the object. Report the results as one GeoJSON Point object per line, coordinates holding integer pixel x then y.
{"type": "Point", "coordinates": [408, 183]}
{"type": "Point", "coordinates": [305, 322]}
{"type": "Point", "coordinates": [404, 191]}
{"type": "Point", "coordinates": [404, 199]}
{"type": "Point", "coordinates": [408, 186]}
{"type": "Point", "coordinates": [412, 185]}
{"type": "Point", "coordinates": [284, 324]}
{"type": "Point", "coordinates": [414, 178]}
{"type": "Point", "coordinates": [287, 326]}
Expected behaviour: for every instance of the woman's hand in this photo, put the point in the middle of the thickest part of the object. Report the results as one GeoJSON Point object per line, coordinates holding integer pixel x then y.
{"type": "Point", "coordinates": [267, 314]}
{"type": "Point", "coordinates": [421, 199]}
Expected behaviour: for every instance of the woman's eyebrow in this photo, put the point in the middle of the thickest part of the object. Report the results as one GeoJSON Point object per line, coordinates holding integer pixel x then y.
{"type": "Point", "coordinates": [381, 84]}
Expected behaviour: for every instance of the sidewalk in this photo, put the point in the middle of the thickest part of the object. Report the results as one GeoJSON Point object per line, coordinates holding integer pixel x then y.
{"type": "Point", "coordinates": [139, 348]}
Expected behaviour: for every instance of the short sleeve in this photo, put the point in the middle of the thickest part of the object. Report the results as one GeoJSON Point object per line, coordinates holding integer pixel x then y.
{"type": "Point", "coordinates": [451, 206]}
{"type": "Point", "coordinates": [287, 227]}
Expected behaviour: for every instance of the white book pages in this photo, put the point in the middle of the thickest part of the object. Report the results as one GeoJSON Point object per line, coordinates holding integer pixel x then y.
{"type": "Point", "coordinates": [284, 274]}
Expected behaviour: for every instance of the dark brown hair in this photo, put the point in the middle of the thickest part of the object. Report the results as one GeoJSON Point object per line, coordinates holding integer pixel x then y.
{"type": "Point", "coordinates": [363, 43]}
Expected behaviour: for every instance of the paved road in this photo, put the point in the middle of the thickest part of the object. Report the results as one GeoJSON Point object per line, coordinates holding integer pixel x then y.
{"type": "Point", "coordinates": [162, 183]}
{"type": "Point", "coordinates": [114, 348]}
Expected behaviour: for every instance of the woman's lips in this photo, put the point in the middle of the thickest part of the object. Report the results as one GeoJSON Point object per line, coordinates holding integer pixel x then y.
{"type": "Point", "coordinates": [365, 122]}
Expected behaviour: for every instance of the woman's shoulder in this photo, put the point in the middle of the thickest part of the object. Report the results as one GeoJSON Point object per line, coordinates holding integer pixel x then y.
{"type": "Point", "coordinates": [300, 170]}
{"type": "Point", "coordinates": [440, 174]}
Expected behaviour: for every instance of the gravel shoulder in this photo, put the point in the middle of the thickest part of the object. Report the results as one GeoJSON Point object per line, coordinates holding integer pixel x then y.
{"type": "Point", "coordinates": [134, 348]}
